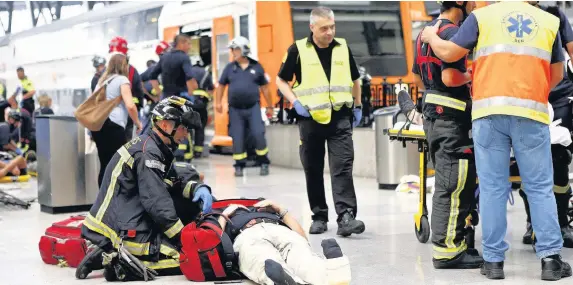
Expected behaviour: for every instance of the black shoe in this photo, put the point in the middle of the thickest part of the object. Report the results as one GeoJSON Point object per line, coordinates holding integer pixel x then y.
{"type": "Point", "coordinates": [264, 170]}
{"type": "Point", "coordinates": [348, 225]}
{"type": "Point", "coordinates": [238, 171]}
{"type": "Point", "coordinates": [277, 273]}
{"type": "Point", "coordinates": [318, 227]}
{"type": "Point", "coordinates": [92, 261]}
{"type": "Point", "coordinates": [405, 102]}
{"type": "Point", "coordinates": [567, 234]}
{"type": "Point", "coordinates": [553, 268]}
{"type": "Point", "coordinates": [330, 248]}
{"type": "Point", "coordinates": [492, 270]}
{"type": "Point", "coordinates": [463, 260]}
{"type": "Point", "coordinates": [197, 154]}
{"type": "Point", "coordinates": [527, 236]}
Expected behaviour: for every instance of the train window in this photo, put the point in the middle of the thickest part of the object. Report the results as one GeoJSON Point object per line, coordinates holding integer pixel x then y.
{"type": "Point", "coordinates": [223, 54]}
{"type": "Point", "coordinates": [244, 26]}
{"type": "Point", "coordinates": [151, 28]}
{"type": "Point", "coordinates": [130, 27]}
{"type": "Point", "coordinates": [112, 28]}
{"type": "Point", "coordinates": [372, 30]}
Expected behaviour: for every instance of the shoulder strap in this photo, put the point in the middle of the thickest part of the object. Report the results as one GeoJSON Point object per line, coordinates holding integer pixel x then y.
{"type": "Point", "coordinates": [131, 73]}
{"type": "Point", "coordinates": [445, 27]}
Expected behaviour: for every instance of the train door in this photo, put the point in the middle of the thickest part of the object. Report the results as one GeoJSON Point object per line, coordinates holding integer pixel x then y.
{"type": "Point", "coordinates": [223, 33]}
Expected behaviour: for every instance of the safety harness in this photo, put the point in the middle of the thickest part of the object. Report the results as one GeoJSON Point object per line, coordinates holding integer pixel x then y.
{"type": "Point", "coordinates": [428, 58]}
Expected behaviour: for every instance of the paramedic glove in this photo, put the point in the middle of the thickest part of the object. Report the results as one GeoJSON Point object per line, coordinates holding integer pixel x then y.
{"type": "Point", "coordinates": [186, 96]}
{"type": "Point", "coordinates": [18, 151]}
{"type": "Point", "coordinates": [202, 193]}
{"type": "Point", "coordinates": [300, 109]}
{"type": "Point", "coordinates": [357, 116]}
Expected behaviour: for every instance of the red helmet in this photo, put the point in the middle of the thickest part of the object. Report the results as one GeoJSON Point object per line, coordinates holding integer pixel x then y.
{"type": "Point", "coordinates": [118, 44]}
{"type": "Point", "coordinates": [162, 47]}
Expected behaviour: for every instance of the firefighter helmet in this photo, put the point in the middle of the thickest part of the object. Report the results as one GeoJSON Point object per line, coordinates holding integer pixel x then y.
{"type": "Point", "coordinates": [118, 44]}
{"type": "Point", "coordinates": [242, 43]}
{"type": "Point", "coordinates": [15, 114]}
{"type": "Point", "coordinates": [161, 48]}
{"type": "Point", "coordinates": [178, 110]}
{"type": "Point", "coordinates": [98, 60]}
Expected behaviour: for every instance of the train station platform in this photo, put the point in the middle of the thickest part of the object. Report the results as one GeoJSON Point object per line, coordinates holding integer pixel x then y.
{"type": "Point", "coordinates": [386, 253]}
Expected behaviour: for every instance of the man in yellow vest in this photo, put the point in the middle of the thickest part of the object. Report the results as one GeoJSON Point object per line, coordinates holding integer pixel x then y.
{"type": "Point", "coordinates": [517, 61]}
{"type": "Point", "coordinates": [326, 97]}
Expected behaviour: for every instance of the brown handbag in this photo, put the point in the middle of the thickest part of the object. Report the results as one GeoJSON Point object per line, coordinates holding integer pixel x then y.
{"type": "Point", "coordinates": [93, 112]}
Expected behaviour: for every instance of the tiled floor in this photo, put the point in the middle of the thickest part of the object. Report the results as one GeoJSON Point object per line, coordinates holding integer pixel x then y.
{"type": "Point", "coordinates": [387, 253]}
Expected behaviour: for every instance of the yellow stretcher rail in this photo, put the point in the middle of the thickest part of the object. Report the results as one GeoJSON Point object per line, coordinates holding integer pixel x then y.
{"type": "Point", "coordinates": [422, 225]}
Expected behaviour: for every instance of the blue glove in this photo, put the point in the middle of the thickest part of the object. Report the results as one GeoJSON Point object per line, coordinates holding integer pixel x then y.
{"type": "Point", "coordinates": [18, 151]}
{"type": "Point", "coordinates": [202, 193]}
{"type": "Point", "coordinates": [357, 116]}
{"type": "Point", "coordinates": [186, 96]}
{"type": "Point", "coordinates": [300, 109]}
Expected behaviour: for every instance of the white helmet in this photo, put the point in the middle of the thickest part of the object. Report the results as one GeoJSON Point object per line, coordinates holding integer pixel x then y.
{"type": "Point", "coordinates": [242, 43]}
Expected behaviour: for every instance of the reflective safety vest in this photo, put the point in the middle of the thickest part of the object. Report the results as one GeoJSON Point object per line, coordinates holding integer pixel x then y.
{"type": "Point", "coordinates": [511, 67]}
{"type": "Point", "coordinates": [315, 92]}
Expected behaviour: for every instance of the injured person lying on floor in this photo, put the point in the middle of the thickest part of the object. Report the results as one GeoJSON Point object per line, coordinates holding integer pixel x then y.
{"type": "Point", "coordinates": [15, 166]}
{"type": "Point", "coordinates": [273, 248]}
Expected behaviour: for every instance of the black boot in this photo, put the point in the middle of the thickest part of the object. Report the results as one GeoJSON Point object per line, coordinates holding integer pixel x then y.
{"type": "Point", "coordinates": [277, 273]}
{"type": "Point", "coordinates": [567, 234]}
{"type": "Point", "coordinates": [527, 239]}
{"type": "Point", "coordinates": [264, 169]}
{"type": "Point", "coordinates": [553, 268]}
{"type": "Point", "coordinates": [348, 224]}
{"type": "Point", "coordinates": [492, 270]}
{"type": "Point", "coordinates": [318, 227]}
{"type": "Point", "coordinates": [92, 261]}
{"type": "Point", "coordinates": [464, 260]}
{"type": "Point", "coordinates": [238, 171]}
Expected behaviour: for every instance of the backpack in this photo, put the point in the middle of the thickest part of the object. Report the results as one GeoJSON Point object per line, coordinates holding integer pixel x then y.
{"type": "Point", "coordinates": [62, 243]}
{"type": "Point", "coordinates": [207, 251]}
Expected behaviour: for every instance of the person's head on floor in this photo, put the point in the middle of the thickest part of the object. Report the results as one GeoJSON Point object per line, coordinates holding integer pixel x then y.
{"type": "Point", "coordinates": [45, 101]}
{"type": "Point", "coordinates": [117, 65]}
{"type": "Point", "coordinates": [173, 118]}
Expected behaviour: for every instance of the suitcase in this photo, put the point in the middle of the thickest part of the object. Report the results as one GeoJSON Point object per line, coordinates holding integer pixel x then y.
{"type": "Point", "coordinates": [62, 243]}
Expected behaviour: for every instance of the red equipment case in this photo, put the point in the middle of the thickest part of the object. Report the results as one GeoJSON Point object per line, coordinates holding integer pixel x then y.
{"type": "Point", "coordinates": [62, 243]}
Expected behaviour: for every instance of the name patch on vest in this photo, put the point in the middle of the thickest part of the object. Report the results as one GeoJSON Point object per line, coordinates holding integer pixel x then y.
{"type": "Point", "coordinates": [155, 164]}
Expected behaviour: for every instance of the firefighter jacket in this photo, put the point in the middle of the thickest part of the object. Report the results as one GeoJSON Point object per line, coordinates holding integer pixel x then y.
{"type": "Point", "coordinates": [183, 180]}
{"type": "Point", "coordinates": [134, 206]}
{"type": "Point", "coordinates": [511, 74]}
{"type": "Point", "coordinates": [315, 92]}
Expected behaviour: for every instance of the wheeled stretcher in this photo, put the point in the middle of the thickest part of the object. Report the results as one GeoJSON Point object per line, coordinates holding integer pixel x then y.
{"type": "Point", "coordinates": [415, 134]}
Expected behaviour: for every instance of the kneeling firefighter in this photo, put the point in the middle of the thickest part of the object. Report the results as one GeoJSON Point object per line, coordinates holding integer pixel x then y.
{"type": "Point", "coordinates": [133, 220]}
{"type": "Point", "coordinates": [447, 112]}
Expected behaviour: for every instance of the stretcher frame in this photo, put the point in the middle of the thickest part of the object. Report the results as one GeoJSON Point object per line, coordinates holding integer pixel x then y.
{"type": "Point", "coordinates": [421, 222]}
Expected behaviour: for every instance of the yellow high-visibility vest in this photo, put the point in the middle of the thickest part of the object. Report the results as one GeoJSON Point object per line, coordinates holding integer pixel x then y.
{"type": "Point", "coordinates": [315, 92]}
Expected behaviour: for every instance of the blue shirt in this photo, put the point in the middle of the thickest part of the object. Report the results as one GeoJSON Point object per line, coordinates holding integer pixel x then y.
{"type": "Point", "coordinates": [175, 69]}
{"type": "Point", "coordinates": [243, 84]}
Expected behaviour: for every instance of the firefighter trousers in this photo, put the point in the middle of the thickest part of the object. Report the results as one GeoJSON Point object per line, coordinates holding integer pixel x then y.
{"type": "Point", "coordinates": [239, 121]}
{"type": "Point", "coordinates": [454, 196]}
{"type": "Point", "coordinates": [561, 158]}
{"type": "Point", "coordinates": [338, 136]}
{"type": "Point", "coordinates": [199, 133]}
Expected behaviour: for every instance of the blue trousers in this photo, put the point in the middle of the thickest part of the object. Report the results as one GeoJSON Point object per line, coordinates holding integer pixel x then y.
{"type": "Point", "coordinates": [250, 119]}
{"type": "Point", "coordinates": [493, 138]}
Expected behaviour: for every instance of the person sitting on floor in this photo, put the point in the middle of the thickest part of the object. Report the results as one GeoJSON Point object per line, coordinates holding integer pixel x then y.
{"type": "Point", "coordinates": [273, 248]}
{"type": "Point", "coordinates": [14, 167]}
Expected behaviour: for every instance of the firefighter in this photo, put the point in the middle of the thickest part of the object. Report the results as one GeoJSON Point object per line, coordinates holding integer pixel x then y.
{"type": "Point", "coordinates": [201, 97]}
{"type": "Point", "coordinates": [327, 99]}
{"type": "Point", "coordinates": [561, 155]}
{"type": "Point", "coordinates": [517, 62]}
{"type": "Point", "coordinates": [245, 77]}
{"type": "Point", "coordinates": [99, 65]}
{"type": "Point", "coordinates": [150, 92]}
{"type": "Point", "coordinates": [134, 209]}
{"type": "Point", "coordinates": [447, 112]}
{"type": "Point", "coordinates": [27, 89]}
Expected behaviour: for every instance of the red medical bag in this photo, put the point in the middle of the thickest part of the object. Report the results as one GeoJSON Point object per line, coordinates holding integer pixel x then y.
{"type": "Point", "coordinates": [207, 252]}
{"type": "Point", "coordinates": [62, 243]}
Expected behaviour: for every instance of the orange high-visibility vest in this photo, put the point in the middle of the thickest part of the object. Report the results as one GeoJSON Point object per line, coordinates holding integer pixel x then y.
{"type": "Point", "coordinates": [511, 67]}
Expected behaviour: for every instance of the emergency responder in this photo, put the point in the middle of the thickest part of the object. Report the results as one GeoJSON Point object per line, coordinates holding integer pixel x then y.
{"type": "Point", "coordinates": [7, 133]}
{"type": "Point", "coordinates": [23, 129]}
{"type": "Point", "coordinates": [562, 109]}
{"type": "Point", "coordinates": [175, 70]}
{"type": "Point", "coordinates": [28, 91]}
{"type": "Point", "coordinates": [134, 209]}
{"type": "Point", "coordinates": [201, 97]}
{"type": "Point", "coordinates": [447, 113]}
{"type": "Point", "coordinates": [245, 77]}
{"type": "Point", "coordinates": [99, 65]}
{"type": "Point", "coordinates": [518, 60]}
{"type": "Point", "coordinates": [327, 99]}
{"type": "Point", "coordinates": [4, 104]}
{"type": "Point", "coordinates": [3, 90]}
{"type": "Point", "coordinates": [119, 45]}
{"type": "Point", "coordinates": [150, 92]}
